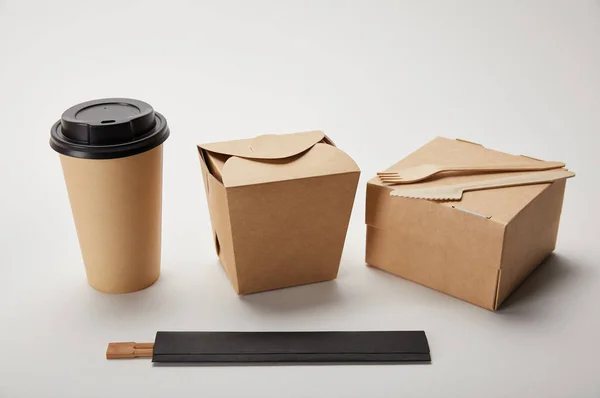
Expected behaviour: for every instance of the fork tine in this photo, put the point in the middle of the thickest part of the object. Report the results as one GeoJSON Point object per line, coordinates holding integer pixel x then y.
{"type": "Point", "coordinates": [385, 173]}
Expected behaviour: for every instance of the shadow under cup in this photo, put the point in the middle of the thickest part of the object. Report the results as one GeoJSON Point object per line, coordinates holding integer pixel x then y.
{"type": "Point", "coordinates": [111, 156]}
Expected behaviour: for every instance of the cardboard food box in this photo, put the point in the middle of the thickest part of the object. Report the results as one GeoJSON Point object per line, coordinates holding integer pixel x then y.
{"type": "Point", "coordinates": [479, 248]}
{"type": "Point", "coordinates": [279, 207]}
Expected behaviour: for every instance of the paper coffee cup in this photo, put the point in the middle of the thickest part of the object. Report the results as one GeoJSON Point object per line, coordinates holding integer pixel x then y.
{"type": "Point", "coordinates": [111, 156]}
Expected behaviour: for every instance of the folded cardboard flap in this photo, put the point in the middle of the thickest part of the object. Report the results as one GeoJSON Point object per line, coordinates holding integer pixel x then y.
{"type": "Point", "coordinates": [529, 238]}
{"type": "Point", "coordinates": [269, 146]}
{"type": "Point", "coordinates": [262, 147]}
{"type": "Point", "coordinates": [252, 161]}
{"type": "Point", "coordinates": [469, 142]}
{"type": "Point", "coordinates": [215, 162]}
{"type": "Point", "coordinates": [471, 212]}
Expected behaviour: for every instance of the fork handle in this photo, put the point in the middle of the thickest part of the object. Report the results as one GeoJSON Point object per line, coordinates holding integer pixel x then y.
{"type": "Point", "coordinates": [521, 179]}
{"type": "Point", "coordinates": [507, 167]}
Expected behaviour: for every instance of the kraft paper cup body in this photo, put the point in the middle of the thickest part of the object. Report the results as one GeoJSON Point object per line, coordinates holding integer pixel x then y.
{"type": "Point", "coordinates": [111, 152]}
{"type": "Point", "coordinates": [117, 208]}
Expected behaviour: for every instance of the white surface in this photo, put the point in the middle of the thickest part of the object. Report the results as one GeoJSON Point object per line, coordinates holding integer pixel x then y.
{"type": "Point", "coordinates": [381, 78]}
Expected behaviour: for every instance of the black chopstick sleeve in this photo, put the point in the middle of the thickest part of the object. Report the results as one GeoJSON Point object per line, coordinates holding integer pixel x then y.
{"type": "Point", "coordinates": [240, 347]}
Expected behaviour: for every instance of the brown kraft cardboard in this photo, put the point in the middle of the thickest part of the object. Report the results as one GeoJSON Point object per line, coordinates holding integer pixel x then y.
{"type": "Point", "coordinates": [116, 206]}
{"type": "Point", "coordinates": [479, 248]}
{"type": "Point", "coordinates": [279, 207]}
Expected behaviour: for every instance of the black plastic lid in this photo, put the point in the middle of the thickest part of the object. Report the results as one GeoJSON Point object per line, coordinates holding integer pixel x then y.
{"type": "Point", "coordinates": [108, 128]}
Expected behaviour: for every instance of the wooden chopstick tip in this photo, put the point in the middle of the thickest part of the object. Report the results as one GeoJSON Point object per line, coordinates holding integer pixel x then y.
{"type": "Point", "coordinates": [123, 350]}
{"type": "Point", "coordinates": [120, 350]}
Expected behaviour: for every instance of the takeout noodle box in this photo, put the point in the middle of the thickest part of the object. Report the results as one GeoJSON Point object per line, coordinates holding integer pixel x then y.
{"type": "Point", "coordinates": [478, 249]}
{"type": "Point", "coordinates": [279, 207]}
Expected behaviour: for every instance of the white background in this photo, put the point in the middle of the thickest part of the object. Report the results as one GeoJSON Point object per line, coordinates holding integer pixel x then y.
{"type": "Point", "coordinates": [381, 78]}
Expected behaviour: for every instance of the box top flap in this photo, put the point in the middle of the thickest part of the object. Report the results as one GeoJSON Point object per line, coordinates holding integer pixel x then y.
{"type": "Point", "coordinates": [271, 158]}
{"type": "Point", "coordinates": [320, 160]}
{"type": "Point", "coordinates": [499, 204]}
{"type": "Point", "coordinates": [269, 146]}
